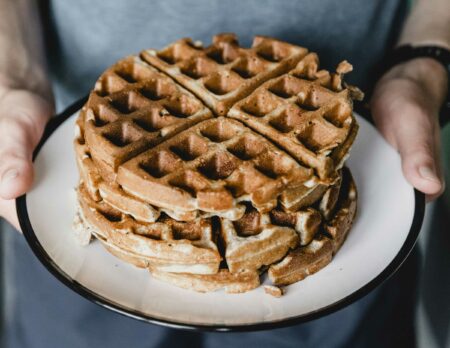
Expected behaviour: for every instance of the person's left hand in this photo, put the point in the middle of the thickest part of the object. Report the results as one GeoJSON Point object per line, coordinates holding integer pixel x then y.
{"type": "Point", "coordinates": [405, 106]}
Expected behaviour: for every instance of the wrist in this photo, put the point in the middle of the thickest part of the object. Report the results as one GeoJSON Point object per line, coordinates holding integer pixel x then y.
{"type": "Point", "coordinates": [425, 72]}
{"type": "Point", "coordinates": [423, 69]}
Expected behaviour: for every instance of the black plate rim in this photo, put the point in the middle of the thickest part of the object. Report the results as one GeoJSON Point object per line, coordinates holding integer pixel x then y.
{"type": "Point", "coordinates": [53, 268]}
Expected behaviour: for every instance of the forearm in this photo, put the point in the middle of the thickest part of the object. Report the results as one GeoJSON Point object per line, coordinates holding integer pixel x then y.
{"type": "Point", "coordinates": [22, 63]}
{"type": "Point", "coordinates": [428, 24]}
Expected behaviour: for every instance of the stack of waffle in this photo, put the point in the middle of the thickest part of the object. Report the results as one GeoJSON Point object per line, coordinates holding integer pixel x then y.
{"type": "Point", "coordinates": [211, 165]}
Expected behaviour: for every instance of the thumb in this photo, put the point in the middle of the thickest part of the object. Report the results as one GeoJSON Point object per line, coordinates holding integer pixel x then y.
{"type": "Point", "coordinates": [421, 164]}
{"type": "Point", "coordinates": [414, 131]}
{"type": "Point", "coordinates": [419, 150]}
{"type": "Point", "coordinates": [23, 116]}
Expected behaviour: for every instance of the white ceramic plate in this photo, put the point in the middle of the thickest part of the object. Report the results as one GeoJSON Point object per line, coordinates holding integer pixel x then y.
{"type": "Point", "coordinates": [390, 213]}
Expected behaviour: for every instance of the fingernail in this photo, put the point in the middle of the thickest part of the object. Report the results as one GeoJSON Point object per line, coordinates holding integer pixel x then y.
{"type": "Point", "coordinates": [428, 174]}
{"type": "Point", "coordinates": [9, 175]}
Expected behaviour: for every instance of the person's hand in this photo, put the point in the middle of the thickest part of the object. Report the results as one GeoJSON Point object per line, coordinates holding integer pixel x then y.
{"type": "Point", "coordinates": [23, 116]}
{"type": "Point", "coordinates": [405, 107]}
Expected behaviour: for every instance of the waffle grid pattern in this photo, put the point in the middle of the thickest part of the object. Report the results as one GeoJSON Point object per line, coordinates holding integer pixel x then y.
{"type": "Point", "coordinates": [224, 72]}
{"type": "Point", "coordinates": [212, 166]}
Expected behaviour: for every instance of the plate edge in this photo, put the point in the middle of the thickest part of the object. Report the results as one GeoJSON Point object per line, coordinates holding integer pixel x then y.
{"type": "Point", "coordinates": [52, 267]}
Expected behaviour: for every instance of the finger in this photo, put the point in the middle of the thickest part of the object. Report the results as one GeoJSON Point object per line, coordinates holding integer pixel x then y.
{"type": "Point", "coordinates": [22, 121]}
{"type": "Point", "coordinates": [415, 133]}
{"type": "Point", "coordinates": [420, 167]}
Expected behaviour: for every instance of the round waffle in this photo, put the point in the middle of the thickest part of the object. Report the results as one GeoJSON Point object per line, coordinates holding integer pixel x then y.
{"type": "Point", "coordinates": [207, 165]}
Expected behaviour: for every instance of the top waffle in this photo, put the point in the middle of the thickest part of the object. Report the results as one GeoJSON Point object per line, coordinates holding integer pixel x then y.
{"type": "Point", "coordinates": [150, 140]}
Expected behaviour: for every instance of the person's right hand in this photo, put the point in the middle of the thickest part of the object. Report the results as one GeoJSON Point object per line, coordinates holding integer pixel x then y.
{"type": "Point", "coordinates": [23, 116]}
{"type": "Point", "coordinates": [405, 107]}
